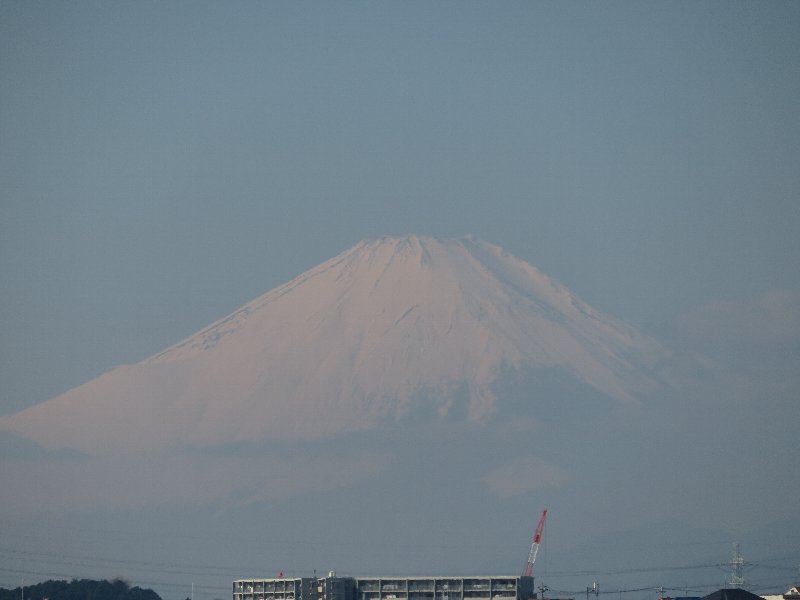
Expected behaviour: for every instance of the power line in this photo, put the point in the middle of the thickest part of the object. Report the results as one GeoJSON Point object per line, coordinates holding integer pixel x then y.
{"type": "Point", "coordinates": [67, 576]}
{"type": "Point", "coordinates": [80, 560]}
{"type": "Point", "coordinates": [592, 573]}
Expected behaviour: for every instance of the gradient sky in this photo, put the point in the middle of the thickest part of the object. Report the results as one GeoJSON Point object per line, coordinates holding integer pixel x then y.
{"type": "Point", "coordinates": [163, 163]}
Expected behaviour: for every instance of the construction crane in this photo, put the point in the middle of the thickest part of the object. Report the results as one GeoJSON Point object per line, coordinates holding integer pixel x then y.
{"type": "Point", "coordinates": [537, 537]}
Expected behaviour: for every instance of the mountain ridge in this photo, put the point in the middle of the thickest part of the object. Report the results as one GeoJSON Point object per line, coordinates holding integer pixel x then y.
{"type": "Point", "coordinates": [387, 326]}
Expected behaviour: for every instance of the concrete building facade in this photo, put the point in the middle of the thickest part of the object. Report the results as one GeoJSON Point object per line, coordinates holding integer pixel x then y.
{"type": "Point", "coordinates": [332, 587]}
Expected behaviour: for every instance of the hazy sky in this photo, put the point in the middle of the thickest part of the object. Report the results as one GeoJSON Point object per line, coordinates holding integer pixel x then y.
{"type": "Point", "coordinates": [163, 163]}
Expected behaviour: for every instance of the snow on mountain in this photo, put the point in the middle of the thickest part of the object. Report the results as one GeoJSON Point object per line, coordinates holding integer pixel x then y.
{"type": "Point", "coordinates": [390, 328]}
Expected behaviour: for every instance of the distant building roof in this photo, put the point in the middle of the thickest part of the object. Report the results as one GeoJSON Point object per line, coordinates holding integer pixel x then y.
{"type": "Point", "coordinates": [732, 594]}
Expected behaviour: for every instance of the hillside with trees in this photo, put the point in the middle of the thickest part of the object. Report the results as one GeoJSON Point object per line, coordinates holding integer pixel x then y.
{"type": "Point", "coordinates": [80, 589]}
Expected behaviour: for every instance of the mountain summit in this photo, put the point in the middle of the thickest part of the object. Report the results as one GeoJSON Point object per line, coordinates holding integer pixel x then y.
{"type": "Point", "coordinates": [390, 328]}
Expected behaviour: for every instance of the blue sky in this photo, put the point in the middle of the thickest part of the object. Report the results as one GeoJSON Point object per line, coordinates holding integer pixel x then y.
{"type": "Point", "coordinates": [163, 163]}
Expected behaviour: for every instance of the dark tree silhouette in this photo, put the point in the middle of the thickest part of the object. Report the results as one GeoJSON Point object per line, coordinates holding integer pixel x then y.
{"type": "Point", "coordinates": [80, 589]}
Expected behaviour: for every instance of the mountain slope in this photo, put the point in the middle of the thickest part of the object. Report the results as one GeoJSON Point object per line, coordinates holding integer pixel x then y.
{"type": "Point", "coordinates": [391, 328]}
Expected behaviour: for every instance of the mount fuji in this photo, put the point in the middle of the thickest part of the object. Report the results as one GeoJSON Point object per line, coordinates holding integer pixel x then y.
{"type": "Point", "coordinates": [394, 328]}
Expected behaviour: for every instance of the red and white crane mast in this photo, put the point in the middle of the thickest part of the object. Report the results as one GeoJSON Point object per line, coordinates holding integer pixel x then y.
{"type": "Point", "coordinates": [537, 537]}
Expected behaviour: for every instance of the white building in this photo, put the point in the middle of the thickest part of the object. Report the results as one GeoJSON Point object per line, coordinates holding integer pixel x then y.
{"type": "Point", "coordinates": [493, 587]}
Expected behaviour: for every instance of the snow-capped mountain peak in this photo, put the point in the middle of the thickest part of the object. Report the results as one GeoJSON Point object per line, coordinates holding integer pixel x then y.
{"type": "Point", "coordinates": [388, 328]}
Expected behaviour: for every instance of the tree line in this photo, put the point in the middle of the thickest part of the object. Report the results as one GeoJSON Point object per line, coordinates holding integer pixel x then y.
{"type": "Point", "coordinates": [80, 589]}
